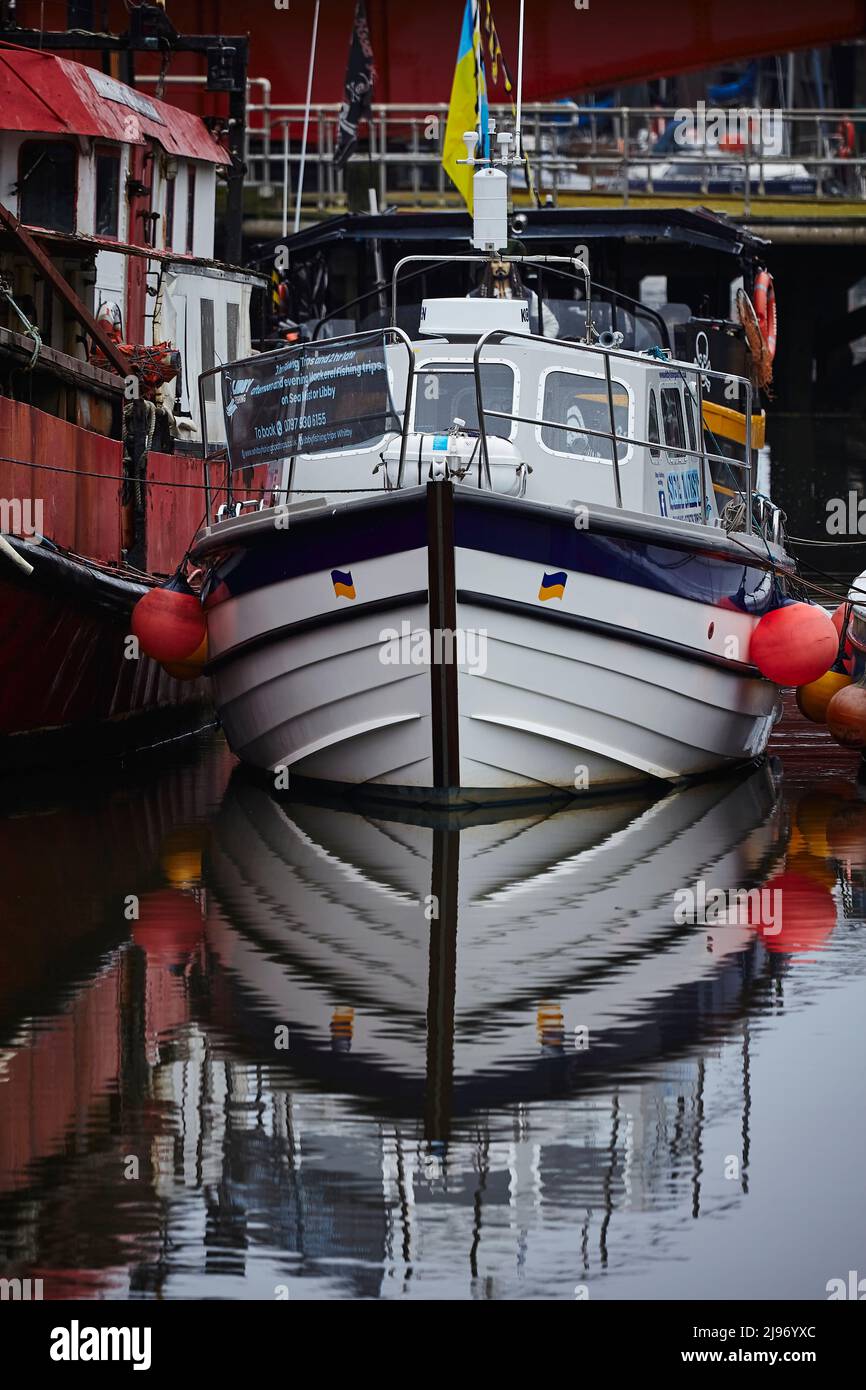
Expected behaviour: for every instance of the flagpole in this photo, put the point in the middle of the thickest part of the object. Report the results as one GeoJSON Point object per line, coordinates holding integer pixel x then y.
{"type": "Point", "coordinates": [306, 120]}
{"type": "Point", "coordinates": [518, 143]}
{"type": "Point", "coordinates": [478, 47]}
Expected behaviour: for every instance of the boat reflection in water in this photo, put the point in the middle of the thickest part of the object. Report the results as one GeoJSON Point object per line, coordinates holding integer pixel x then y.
{"type": "Point", "coordinates": [443, 964]}
{"type": "Point", "coordinates": [355, 1053]}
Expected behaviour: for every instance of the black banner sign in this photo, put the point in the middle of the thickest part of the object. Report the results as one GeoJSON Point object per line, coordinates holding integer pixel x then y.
{"type": "Point", "coordinates": [317, 398]}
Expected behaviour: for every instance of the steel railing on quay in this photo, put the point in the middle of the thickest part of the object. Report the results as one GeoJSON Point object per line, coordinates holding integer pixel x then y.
{"type": "Point", "coordinates": [811, 154]}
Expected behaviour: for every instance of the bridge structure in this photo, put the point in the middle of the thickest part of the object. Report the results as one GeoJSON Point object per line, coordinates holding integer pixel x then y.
{"type": "Point", "coordinates": [572, 46]}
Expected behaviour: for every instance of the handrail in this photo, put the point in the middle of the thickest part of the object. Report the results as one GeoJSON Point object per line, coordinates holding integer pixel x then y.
{"type": "Point", "coordinates": [298, 350]}
{"type": "Point", "coordinates": [534, 260]}
{"type": "Point", "coordinates": [605, 293]}
{"type": "Point", "coordinates": [499, 334]}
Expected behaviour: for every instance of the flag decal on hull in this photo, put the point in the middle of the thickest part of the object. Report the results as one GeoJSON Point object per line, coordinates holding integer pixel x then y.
{"type": "Point", "coordinates": [553, 585]}
{"type": "Point", "coordinates": [343, 583]}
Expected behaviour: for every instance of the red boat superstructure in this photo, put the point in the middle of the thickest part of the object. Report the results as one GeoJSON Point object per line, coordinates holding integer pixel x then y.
{"type": "Point", "coordinates": [110, 307]}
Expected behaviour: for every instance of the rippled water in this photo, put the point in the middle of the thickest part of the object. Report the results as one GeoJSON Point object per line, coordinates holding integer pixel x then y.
{"type": "Point", "coordinates": [251, 1048]}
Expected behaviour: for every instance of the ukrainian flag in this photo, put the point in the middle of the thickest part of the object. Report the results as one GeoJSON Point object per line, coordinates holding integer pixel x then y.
{"type": "Point", "coordinates": [553, 585]}
{"type": "Point", "coordinates": [468, 108]}
{"type": "Point", "coordinates": [343, 583]}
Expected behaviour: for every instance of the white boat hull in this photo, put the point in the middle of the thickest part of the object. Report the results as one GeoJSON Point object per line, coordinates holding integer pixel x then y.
{"type": "Point", "coordinates": [609, 683]}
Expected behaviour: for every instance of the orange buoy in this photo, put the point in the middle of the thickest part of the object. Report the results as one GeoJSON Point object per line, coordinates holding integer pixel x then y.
{"type": "Point", "coordinates": [794, 644]}
{"type": "Point", "coordinates": [169, 622]}
{"type": "Point", "coordinates": [813, 699]}
{"type": "Point", "coordinates": [846, 716]}
{"type": "Point", "coordinates": [192, 667]}
{"type": "Point", "coordinates": [846, 833]}
{"type": "Point", "coordinates": [181, 854]}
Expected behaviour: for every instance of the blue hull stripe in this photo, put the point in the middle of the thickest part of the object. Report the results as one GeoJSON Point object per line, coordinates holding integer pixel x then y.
{"type": "Point", "coordinates": [487, 524]}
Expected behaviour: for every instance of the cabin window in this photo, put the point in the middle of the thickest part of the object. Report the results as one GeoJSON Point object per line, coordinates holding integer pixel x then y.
{"type": "Point", "coordinates": [190, 207]}
{"type": "Point", "coordinates": [232, 319]}
{"type": "Point", "coordinates": [672, 416]}
{"type": "Point", "coordinates": [581, 403]}
{"type": "Point", "coordinates": [107, 193]}
{"type": "Point", "coordinates": [653, 431]}
{"type": "Point", "coordinates": [169, 214]}
{"type": "Point", "coordinates": [444, 392]}
{"type": "Point", "coordinates": [690, 420]}
{"type": "Point", "coordinates": [47, 172]}
{"type": "Point", "coordinates": [208, 351]}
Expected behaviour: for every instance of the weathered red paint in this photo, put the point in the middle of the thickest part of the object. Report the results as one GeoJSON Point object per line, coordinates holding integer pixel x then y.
{"type": "Point", "coordinates": [81, 507]}
{"type": "Point", "coordinates": [49, 95]}
{"type": "Point", "coordinates": [63, 663]}
{"type": "Point", "coordinates": [174, 514]}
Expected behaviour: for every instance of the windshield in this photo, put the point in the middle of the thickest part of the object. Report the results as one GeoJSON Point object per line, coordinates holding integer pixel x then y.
{"type": "Point", "coordinates": [445, 392]}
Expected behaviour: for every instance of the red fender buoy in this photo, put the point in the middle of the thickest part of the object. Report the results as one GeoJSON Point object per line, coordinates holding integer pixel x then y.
{"type": "Point", "coordinates": [169, 622]}
{"type": "Point", "coordinates": [191, 667]}
{"type": "Point", "coordinates": [794, 644]}
{"type": "Point", "coordinates": [803, 914]}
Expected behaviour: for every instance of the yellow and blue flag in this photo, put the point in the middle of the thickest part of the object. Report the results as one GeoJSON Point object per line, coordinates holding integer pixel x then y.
{"type": "Point", "coordinates": [344, 586]}
{"type": "Point", "coordinates": [553, 585]}
{"type": "Point", "coordinates": [468, 107]}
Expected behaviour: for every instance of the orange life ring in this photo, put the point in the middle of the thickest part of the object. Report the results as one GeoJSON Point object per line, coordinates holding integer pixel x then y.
{"type": "Point", "coordinates": [847, 139]}
{"type": "Point", "coordinates": [757, 344]}
{"type": "Point", "coordinates": [765, 309]}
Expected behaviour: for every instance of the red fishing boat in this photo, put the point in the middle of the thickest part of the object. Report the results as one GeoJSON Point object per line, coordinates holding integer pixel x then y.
{"type": "Point", "coordinates": [111, 305]}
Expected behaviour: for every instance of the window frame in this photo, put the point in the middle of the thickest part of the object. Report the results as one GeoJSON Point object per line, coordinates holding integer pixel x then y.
{"type": "Point", "coordinates": [189, 235]}
{"type": "Point", "coordinates": [46, 141]}
{"type": "Point", "coordinates": [679, 460]}
{"type": "Point", "coordinates": [615, 382]}
{"type": "Point", "coordinates": [101, 152]}
{"type": "Point", "coordinates": [465, 366]}
{"type": "Point", "coordinates": [655, 445]}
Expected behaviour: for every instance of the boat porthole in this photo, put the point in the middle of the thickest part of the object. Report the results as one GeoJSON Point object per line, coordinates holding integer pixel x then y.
{"type": "Point", "coordinates": [711, 629]}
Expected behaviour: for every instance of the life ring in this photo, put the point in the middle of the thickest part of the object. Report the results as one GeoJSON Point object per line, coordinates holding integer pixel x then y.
{"type": "Point", "coordinates": [758, 347]}
{"type": "Point", "coordinates": [765, 310]}
{"type": "Point", "coordinates": [847, 138]}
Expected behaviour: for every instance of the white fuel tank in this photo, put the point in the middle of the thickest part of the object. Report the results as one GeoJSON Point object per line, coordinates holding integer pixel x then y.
{"type": "Point", "coordinates": [460, 457]}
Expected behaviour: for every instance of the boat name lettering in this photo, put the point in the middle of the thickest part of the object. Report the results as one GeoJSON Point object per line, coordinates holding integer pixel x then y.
{"type": "Point", "coordinates": [684, 489]}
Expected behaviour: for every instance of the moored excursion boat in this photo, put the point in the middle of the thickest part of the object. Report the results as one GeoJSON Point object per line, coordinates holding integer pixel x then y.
{"type": "Point", "coordinates": [110, 306]}
{"type": "Point", "coordinates": [486, 564]}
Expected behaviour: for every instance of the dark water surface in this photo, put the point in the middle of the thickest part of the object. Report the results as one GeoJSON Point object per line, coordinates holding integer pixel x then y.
{"type": "Point", "coordinates": [339, 1055]}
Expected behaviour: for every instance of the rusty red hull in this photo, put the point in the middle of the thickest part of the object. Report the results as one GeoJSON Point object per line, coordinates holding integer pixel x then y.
{"type": "Point", "coordinates": [64, 677]}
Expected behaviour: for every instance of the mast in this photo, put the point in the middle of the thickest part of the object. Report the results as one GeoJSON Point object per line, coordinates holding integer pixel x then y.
{"type": "Point", "coordinates": [300, 192]}
{"type": "Point", "coordinates": [518, 147]}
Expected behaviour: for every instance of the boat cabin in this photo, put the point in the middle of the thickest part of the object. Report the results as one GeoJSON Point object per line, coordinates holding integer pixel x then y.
{"type": "Point", "coordinates": [480, 399]}
{"type": "Point", "coordinates": [116, 192]}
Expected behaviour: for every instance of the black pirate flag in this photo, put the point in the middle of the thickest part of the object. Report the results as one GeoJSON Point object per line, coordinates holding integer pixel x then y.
{"type": "Point", "coordinates": [360, 76]}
